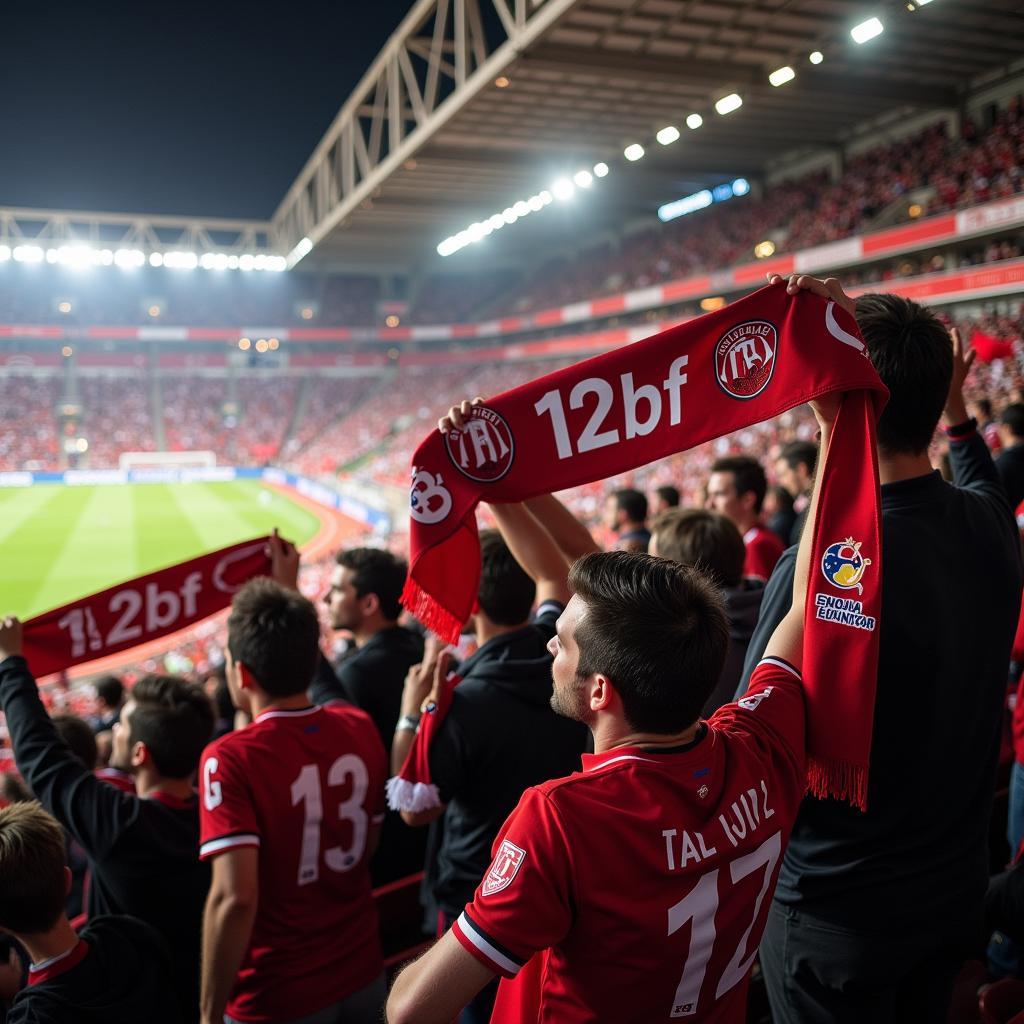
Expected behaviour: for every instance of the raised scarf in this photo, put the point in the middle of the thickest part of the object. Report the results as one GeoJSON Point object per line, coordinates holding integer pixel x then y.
{"type": "Point", "coordinates": [727, 370]}
{"type": "Point", "coordinates": [143, 609]}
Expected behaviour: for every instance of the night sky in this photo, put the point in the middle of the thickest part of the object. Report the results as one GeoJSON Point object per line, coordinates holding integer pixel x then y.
{"type": "Point", "coordinates": [174, 108]}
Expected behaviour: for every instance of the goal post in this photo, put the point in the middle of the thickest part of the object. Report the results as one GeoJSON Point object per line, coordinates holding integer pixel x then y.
{"type": "Point", "coordinates": [128, 461]}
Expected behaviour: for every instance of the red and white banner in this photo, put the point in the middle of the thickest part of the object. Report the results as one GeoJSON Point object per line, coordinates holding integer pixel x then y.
{"type": "Point", "coordinates": [142, 609]}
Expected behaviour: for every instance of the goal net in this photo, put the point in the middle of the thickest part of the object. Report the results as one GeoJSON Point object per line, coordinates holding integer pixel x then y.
{"type": "Point", "coordinates": [163, 460]}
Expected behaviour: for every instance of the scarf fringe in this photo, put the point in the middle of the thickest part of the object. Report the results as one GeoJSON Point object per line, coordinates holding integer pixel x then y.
{"type": "Point", "coordinates": [411, 797]}
{"type": "Point", "coordinates": [430, 612]}
{"type": "Point", "coordinates": [841, 780]}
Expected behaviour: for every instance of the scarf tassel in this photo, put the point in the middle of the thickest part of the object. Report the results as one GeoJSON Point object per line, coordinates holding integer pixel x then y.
{"type": "Point", "coordinates": [842, 780]}
{"type": "Point", "coordinates": [430, 612]}
{"type": "Point", "coordinates": [412, 797]}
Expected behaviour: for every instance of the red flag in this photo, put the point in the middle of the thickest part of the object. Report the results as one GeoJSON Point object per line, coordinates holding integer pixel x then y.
{"type": "Point", "coordinates": [989, 347]}
{"type": "Point", "coordinates": [143, 609]}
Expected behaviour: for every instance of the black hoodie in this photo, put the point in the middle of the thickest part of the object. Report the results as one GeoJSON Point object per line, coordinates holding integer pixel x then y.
{"type": "Point", "coordinates": [742, 605]}
{"type": "Point", "coordinates": [124, 978]}
{"type": "Point", "coordinates": [499, 738]}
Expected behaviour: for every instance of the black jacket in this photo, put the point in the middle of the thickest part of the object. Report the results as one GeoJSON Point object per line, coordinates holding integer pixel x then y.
{"type": "Point", "coordinates": [1010, 466]}
{"type": "Point", "coordinates": [124, 978]}
{"type": "Point", "coordinates": [742, 605]}
{"type": "Point", "coordinates": [950, 601]}
{"type": "Point", "coordinates": [143, 853]}
{"type": "Point", "coordinates": [499, 738]}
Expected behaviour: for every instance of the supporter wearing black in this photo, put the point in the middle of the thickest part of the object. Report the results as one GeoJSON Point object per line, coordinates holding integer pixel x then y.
{"type": "Point", "coordinates": [712, 543]}
{"type": "Point", "coordinates": [109, 701]}
{"type": "Point", "coordinates": [141, 849]}
{"type": "Point", "coordinates": [778, 512]}
{"type": "Point", "coordinates": [500, 735]}
{"type": "Point", "coordinates": [794, 469]}
{"type": "Point", "coordinates": [363, 597]}
{"type": "Point", "coordinates": [625, 513]}
{"type": "Point", "coordinates": [873, 910]}
{"type": "Point", "coordinates": [663, 499]}
{"type": "Point", "coordinates": [116, 971]}
{"type": "Point", "coordinates": [1010, 461]}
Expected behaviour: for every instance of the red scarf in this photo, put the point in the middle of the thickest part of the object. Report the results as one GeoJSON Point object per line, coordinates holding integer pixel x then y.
{"type": "Point", "coordinates": [142, 609]}
{"type": "Point", "coordinates": [738, 366]}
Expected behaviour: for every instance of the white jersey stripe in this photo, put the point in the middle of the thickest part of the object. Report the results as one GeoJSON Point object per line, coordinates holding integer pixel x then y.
{"type": "Point", "coordinates": [779, 663]}
{"type": "Point", "coordinates": [216, 845]}
{"type": "Point", "coordinates": [489, 951]}
{"type": "Point", "coordinates": [621, 757]}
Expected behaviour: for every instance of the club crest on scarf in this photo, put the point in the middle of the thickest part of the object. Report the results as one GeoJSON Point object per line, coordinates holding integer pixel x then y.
{"type": "Point", "coordinates": [507, 862]}
{"type": "Point", "coordinates": [429, 501]}
{"type": "Point", "coordinates": [844, 566]}
{"type": "Point", "coordinates": [484, 448]}
{"type": "Point", "coordinates": [745, 358]}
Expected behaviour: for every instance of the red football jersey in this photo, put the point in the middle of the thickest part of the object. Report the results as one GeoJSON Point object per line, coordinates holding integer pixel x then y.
{"type": "Point", "coordinates": [305, 787]}
{"type": "Point", "coordinates": [764, 549]}
{"type": "Point", "coordinates": [641, 885]}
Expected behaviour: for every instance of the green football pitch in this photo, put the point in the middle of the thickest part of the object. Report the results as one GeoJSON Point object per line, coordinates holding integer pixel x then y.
{"type": "Point", "coordinates": [59, 543]}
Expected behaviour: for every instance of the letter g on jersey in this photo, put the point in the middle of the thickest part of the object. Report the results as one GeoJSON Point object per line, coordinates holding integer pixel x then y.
{"type": "Point", "coordinates": [430, 501]}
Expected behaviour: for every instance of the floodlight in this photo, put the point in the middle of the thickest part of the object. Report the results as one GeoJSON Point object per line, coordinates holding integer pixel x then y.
{"type": "Point", "coordinates": [694, 121]}
{"type": "Point", "coordinates": [668, 135]}
{"type": "Point", "coordinates": [867, 30]}
{"type": "Point", "coordinates": [816, 57]}
{"type": "Point", "coordinates": [28, 254]}
{"type": "Point", "coordinates": [727, 104]}
{"type": "Point", "coordinates": [634, 152]}
{"type": "Point", "coordinates": [535, 203]}
{"type": "Point", "coordinates": [600, 170]}
{"type": "Point", "coordinates": [563, 189]}
{"type": "Point", "coordinates": [583, 178]}
{"type": "Point", "coordinates": [781, 76]}
{"type": "Point", "coordinates": [5, 253]}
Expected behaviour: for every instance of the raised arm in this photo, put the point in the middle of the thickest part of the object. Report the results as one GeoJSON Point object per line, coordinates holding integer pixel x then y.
{"type": "Point", "coordinates": [573, 539]}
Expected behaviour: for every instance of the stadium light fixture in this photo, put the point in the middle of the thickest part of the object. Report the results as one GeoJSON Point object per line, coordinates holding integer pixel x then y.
{"type": "Point", "coordinates": [129, 259]}
{"type": "Point", "coordinates": [601, 170]}
{"type": "Point", "coordinates": [563, 189]}
{"type": "Point", "coordinates": [740, 187]}
{"type": "Point", "coordinates": [816, 57]}
{"type": "Point", "coordinates": [536, 203]}
{"type": "Point", "coordinates": [866, 30]}
{"type": "Point", "coordinates": [584, 179]}
{"type": "Point", "coordinates": [704, 198]}
{"type": "Point", "coordinates": [694, 121]}
{"type": "Point", "coordinates": [5, 253]}
{"type": "Point", "coordinates": [727, 104]}
{"type": "Point", "coordinates": [780, 76]}
{"type": "Point", "coordinates": [764, 249]}
{"type": "Point", "coordinates": [304, 248]}
{"type": "Point", "coordinates": [668, 135]}
{"type": "Point", "coordinates": [28, 254]}
{"type": "Point", "coordinates": [547, 198]}
{"type": "Point", "coordinates": [633, 152]}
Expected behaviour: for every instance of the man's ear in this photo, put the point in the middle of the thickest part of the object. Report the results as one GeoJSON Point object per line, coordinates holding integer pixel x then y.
{"type": "Point", "coordinates": [245, 677]}
{"type": "Point", "coordinates": [370, 603]}
{"type": "Point", "coordinates": [139, 754]}
{"type": "Point", "coordinates": [748, 501]}
{"type": "Point", "coordinates": [601, 692]}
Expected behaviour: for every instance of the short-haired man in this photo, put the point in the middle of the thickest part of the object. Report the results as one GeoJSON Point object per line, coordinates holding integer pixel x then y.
{"type": "Point", "coordinates": [636, 890]}
{"type": "Point", "coordinates": [291, 812]}
{"type": "Point", "coordinates": [141, 847]}
{"type": "Point", "coordinates": [365, 588]}
{"type": "Point", "coordinates": [110, 698]}
{"type": "Point", "coordinates": [664, 498]}
{"type": "Point", "coordinates": [116, 971]}
{"type": "Point", "coordinates": [711, 543]}
{"type": "Point", "coordinates": [736, 489]}
{"type": "Point", "coordinates": [794, 469]}
{"type": "Point", "coordinates": [625, 514]}
{"type": "Point", "coordinates": [873, 910]}
{"type": "Point", "coordinates": [1010, 461]}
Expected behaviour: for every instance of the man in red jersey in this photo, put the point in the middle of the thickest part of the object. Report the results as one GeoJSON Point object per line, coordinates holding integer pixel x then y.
{"type": "Point", "coordinates": [736, 490]}
{"type": "Point", "coordinates": [637, 890]}
{"type": "Point", "coordinates": [291, 808]}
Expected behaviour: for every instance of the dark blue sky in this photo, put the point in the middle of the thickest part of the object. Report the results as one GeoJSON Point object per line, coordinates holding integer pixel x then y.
{"type": "Point", "coordinates": [174, 108]}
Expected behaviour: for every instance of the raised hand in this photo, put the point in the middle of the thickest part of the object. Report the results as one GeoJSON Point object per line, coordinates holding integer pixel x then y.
{"type": "Point", "coordinates": [829, 288]}
{"type": "Point", "coordinates": [457, 415]}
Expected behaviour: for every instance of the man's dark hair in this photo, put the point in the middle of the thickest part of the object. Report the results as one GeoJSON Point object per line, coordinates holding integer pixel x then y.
{"type": "Point", "coordinates": [669, 495]}
{"type": "Point", "coordinates": [78, 735]}
{"type": "Point", "coordinates": [984, 407]}
{"type": "Point", "coordinates": [275, 633]}
{"type": "Point", "coordinates": [747, 474]}
{"type": "Point", "coordinates": [706, 540]}
{"type": "Point", "coordinates": [110, 690]}
{"type": "Point", "coordinates": [913, 355]}
{"type": "Point", "coordinates": [1013, 419]}
{"type": "Point", "coordinates": [506, 593]}
{"type": "Point", "coordinates": [33, 855]}
{"type": "Point", "coordinates": [800, 453]}
{"type": "Point", "coordinates": [376, 572]}
{"type": "Point", "coordinates": [657, 629]}
{"type": "Point", "coordinates": [174, 718]}
{"type": "Point", "coordinates": [632, 502]}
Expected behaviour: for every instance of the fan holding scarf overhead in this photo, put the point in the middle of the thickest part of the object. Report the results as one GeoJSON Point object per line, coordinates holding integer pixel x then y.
{"type": "Point", "coordinates": [724, 371]}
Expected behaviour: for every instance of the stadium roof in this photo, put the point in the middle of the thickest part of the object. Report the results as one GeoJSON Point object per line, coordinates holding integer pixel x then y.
{"type": "Point", "coordinates": [429, 143]}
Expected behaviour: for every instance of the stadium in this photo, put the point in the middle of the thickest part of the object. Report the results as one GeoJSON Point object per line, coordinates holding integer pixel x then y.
{"type": "Point", "coordinates": [567, 212]}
